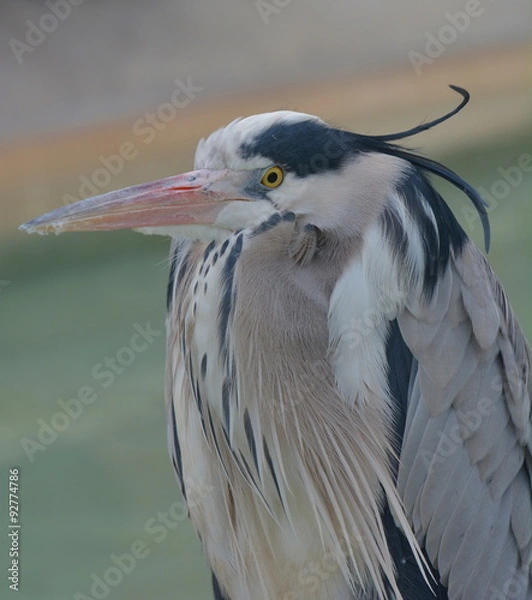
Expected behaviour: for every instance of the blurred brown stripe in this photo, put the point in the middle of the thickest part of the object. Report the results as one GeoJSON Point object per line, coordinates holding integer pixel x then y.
{"type": "Point", "coordinates": [499, 82]}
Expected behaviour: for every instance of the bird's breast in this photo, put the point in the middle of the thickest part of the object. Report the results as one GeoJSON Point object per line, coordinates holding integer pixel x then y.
{"type": "Point", "coordinates": [262, 427]}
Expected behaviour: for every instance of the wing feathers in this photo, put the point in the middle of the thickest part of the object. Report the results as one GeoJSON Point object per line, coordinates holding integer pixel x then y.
{"type": "Point", "coordinates": [459, 513]}
{"type": "Point", "coordinates": [475, 534]}
{"type": "Point", "coordinates": [465, 468]}
{"type": "Point", "coordinates": [495, 549]}
{"type": "Point", "coordinates": [517, 394]}
{"type": "Point", "coordinates": [479, 301]}
{"type": "Point", "coordinates": [521, 520]}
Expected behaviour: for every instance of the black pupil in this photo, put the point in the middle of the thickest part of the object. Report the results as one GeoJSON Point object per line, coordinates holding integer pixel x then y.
{"type": "Point", "coordinates": [272, 177]}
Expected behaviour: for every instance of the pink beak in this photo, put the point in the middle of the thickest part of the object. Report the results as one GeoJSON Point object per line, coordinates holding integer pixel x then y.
{"type": "Point", "coordinates": [193, 198]}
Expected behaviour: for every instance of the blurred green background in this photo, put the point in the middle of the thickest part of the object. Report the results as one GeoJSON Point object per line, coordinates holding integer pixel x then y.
{"type": "Point", "coordinates": [68, 304]}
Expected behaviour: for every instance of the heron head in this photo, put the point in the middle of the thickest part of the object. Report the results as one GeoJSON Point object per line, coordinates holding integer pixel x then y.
{"type": "Point", "coordinates": [243, 173]}
{"type": "Point", "coordinates": [280, 161]}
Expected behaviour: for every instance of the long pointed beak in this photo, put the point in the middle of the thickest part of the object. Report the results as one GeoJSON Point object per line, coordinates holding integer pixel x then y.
{"type": "Point", "coordinates": [193, 198]}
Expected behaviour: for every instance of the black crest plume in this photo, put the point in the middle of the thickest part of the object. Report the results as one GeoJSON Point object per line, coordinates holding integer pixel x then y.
{"type": "Point", "coordinates": [433, 166]}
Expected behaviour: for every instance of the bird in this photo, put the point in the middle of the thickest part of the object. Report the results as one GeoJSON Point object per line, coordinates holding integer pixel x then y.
{"type": "Point", "coordinates": [347, 387]}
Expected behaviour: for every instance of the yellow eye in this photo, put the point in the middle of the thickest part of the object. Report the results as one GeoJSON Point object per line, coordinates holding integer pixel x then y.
{"type": "Point", "coordinates": [273, 177]}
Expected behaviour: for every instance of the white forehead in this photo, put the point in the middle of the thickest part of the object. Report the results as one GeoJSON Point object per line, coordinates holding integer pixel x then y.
{"type": "Point", "coordinates": [221, 149]}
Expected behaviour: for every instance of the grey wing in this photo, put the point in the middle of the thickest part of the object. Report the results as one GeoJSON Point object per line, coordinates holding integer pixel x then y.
{"type": "Point", "coordinates": [466, 460]}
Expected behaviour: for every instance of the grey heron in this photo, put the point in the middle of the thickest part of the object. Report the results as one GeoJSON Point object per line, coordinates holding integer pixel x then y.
{"type": "Point", "coordinates": [348, 389]}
